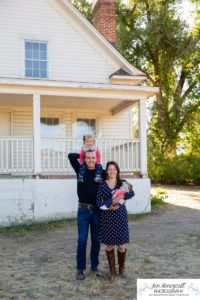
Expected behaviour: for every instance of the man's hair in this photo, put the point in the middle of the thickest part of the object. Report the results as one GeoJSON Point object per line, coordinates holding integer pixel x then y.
{"type": "Point", "coordinates": [89, 151]}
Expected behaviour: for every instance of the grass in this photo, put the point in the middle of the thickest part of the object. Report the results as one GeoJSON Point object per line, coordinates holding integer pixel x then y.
{"type": "Point", "coordinates": [66, 222]}
{"type": "Point", "coordinates": [137, 217]}
{"type": "Point", "coordinates": [157, 200]}
{"type": "Point", "coordinates": [56, 224]}
{"type": "Point", "coordinates": [39, 226]}
{"type": "Point", "coordinates": [46, 258]}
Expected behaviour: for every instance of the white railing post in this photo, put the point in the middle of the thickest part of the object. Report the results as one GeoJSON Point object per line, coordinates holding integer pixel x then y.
{"type": "Point", "coordinates": [54, 160]}
{"type": "Point", "coordinates": [36, 134]}
{"type": "Point", "coordinates": [143, 137]}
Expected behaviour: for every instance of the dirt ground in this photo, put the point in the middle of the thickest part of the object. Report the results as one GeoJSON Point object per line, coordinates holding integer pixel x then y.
{"type": "Point", "coordinates": [164, 244]}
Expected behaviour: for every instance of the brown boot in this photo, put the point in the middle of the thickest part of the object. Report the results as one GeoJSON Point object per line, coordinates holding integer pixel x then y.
{"type": "Point", "coordinates": [121, 262]}
{"type": "Point", "coordinates": [111, 262]}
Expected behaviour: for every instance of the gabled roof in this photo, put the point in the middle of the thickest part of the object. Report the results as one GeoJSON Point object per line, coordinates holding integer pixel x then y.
{"type": "Point", "coordinates": [122, 77]}
{"type": "Point", "coordinates": [120, 72]}
{"type": "Point", "coordinates": [98, 37]}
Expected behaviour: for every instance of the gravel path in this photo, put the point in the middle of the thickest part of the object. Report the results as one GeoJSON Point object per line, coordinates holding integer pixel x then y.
{"type": "Point", "coordinates": [165, 244]}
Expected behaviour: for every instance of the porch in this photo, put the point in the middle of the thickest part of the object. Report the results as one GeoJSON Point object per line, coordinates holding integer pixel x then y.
{"type": "Point", "coordinates": [18, 157]}
{"type": "Point", "coordinates": [26, 150]}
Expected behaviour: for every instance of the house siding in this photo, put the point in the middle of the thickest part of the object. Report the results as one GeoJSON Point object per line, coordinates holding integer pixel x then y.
{"type": "Point", "coordinates": [72, 54]}
{"type": "Point", "coordinates": [109, 126]}
{"type": "Point", "coordinates": [116, 127]}
{"type": "Point", "coordinates": [67, 120]}
{"type": "Point", "coordinates": [22, 122]}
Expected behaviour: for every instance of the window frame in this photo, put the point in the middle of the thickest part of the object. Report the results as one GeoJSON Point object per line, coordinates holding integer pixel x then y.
{"type": "Point", "coordinates": [47, 59]}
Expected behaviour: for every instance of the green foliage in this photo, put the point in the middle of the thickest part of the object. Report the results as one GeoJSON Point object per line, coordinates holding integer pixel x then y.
{"type": "Point", "coordinates": [135, 113]}
{"type": "Point", "coordinates": [153, 38]}
{"type": "Point", "coordinates": [190, 137]}
{"type": "Point", "coordinates": [157, 200]}
{"type": "Point", "coordinates": [84, 7]}
{"type": "Point", "coordinates": [180, 169]}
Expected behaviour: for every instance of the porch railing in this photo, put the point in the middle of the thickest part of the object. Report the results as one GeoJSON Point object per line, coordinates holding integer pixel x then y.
{"type": "Point", "coordinates": [17, 156]}
{"type": "Point", "coordinates": [54, 153]}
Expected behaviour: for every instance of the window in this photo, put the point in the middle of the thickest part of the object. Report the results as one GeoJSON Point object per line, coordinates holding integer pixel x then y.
{"type": "Point", "coordinates": [86, 126]}
{"type": "Point", "coordinates": [50, 127]}
{"type": "Point", "coordinates": [35, 59]}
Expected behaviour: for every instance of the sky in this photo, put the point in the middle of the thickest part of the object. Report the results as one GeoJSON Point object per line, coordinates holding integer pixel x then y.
{"type": "Point", "coordinates": [187, 9]}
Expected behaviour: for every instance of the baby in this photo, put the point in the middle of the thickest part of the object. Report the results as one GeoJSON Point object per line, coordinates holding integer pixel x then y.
{"type": "Point", "coordinates": [125, 188]}
{"type": "Point", "coordinates": [89, 144]}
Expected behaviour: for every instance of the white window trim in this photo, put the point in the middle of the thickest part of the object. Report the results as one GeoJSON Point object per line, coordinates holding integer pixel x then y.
{"type": "Point", "coordinates": [37, 41]}
{"type": "Point", "coordinates": [48, 57]}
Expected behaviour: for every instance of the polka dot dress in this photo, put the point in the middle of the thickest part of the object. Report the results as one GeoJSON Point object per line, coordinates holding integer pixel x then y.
{"type": "Point", "coordinates": [113, 224]}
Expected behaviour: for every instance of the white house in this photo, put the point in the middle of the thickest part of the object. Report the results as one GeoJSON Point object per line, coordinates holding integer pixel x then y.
{"type": "Point", "coordinates": [59, 78]}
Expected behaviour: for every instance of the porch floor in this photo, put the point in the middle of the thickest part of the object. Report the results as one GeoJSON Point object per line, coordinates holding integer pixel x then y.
{"type": "Point", "coordinates": [9, 176]}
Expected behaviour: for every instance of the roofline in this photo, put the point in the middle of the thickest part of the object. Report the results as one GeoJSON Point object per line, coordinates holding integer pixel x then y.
{"type": "Point", "coordinates": [96, 34]}
{"type": "Point", "coordinates": [72, 84]}
{"type": "Point", "coordinates": [128, 77]}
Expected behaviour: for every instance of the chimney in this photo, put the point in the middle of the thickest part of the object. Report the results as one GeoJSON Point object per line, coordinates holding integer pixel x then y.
{"type": "Point", "coordinates": [104, 19]}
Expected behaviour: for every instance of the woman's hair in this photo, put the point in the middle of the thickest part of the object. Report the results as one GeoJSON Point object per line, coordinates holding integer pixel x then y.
{"type": "Point", "coordinates": [119, 181]}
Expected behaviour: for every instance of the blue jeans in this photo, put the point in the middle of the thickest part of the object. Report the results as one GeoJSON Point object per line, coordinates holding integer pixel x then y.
{"type": "Point", "coordinates": [87, 218]}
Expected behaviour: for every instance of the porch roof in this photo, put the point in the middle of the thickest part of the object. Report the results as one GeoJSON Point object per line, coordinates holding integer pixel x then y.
{"type": "Point", "coordinates": [108, 97]}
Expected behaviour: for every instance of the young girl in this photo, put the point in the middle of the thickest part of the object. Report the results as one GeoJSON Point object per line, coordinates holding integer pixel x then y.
{"type": "Point", "coordinates": [89, 144]}
{"type": "Point", "coordinates": [124, 188]}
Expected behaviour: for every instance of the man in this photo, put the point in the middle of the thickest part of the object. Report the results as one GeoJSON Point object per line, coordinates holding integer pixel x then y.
{"type": "Point", "coordinates": [88, 214]}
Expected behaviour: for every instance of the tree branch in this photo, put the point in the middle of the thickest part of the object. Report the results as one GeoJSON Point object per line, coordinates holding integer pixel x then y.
{"type": "Point", "coordinates": [186, 115]}
{"type": "Point", "coordinates": [186, 93]}
{"type": "Point", "coordinates": [151, 79]}
{"type": "Point", "coordinates": [180, 84]}
{"type": "Point", "coordinates": [148, 11]}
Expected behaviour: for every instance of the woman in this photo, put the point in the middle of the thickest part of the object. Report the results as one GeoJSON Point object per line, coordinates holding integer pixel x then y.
{"type": "Point", "coordinates": [113, 222]}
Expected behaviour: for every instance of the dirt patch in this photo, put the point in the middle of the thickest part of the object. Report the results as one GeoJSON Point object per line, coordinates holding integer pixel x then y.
{"type": "Point", "coordinates": [165, 244]}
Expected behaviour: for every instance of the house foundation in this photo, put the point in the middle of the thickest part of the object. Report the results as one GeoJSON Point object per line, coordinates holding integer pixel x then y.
{"type": "Point", "coordinates": [29, 201]}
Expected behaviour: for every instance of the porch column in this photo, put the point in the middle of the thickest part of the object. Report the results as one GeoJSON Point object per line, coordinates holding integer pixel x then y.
{"type": "Point", "coordinates": [143, 137]}
{"type": "Point", "coordinates": [36, 134]}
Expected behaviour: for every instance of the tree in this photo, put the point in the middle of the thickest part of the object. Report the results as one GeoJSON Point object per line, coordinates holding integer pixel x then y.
{"type": "Point", "coordinates": [153, 38]}
{"type": "Point", "coordinates": [190, 137]}
{"type": "Point", "coordinates": [84, 7]}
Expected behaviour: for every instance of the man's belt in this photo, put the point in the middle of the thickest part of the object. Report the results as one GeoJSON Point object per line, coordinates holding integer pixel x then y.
{"type": "Point", "coordinates": [88, 206]}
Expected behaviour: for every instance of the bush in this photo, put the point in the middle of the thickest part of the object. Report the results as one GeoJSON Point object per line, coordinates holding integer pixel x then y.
{"type": "Point", "coordinates": [157, 199]}
{"type": "Point", "coordinates": [181, 169]}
